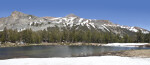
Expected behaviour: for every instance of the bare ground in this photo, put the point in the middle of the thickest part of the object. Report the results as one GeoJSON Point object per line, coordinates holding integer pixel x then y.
{"type": "Point", "coordinates": [130, 53]}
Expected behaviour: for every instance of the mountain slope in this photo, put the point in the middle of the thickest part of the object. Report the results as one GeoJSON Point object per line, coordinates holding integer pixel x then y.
{"type": "Point", "coordinates": [21, 21]}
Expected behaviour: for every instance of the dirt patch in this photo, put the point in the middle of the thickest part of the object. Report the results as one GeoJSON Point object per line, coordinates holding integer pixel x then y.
{"type": "Point", "coordinates": [129, 53]}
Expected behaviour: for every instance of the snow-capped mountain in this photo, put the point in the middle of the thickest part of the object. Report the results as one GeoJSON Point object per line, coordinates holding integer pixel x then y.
{"type": "Point", "coordinates": [21, 21]}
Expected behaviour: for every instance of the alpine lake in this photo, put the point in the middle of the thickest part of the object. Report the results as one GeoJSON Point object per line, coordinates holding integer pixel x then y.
{"type": "Point", "coordinates": [43, 51]}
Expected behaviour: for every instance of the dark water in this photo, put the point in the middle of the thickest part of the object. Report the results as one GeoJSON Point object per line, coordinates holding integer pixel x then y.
{"type": "Point", "coordinates": [57, 51]}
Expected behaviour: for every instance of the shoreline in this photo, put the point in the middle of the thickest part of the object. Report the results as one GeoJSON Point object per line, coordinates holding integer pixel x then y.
{"type": "Point", "coordinates": [48, 44]}
{"type": "Point", "coordinates": [143, 53]}
{"type": "Point", "coordinates": [78, 44]}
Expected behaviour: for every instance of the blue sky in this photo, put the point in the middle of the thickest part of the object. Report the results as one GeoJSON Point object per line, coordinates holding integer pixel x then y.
{"type": "Point", "coordinates": [123, 12]}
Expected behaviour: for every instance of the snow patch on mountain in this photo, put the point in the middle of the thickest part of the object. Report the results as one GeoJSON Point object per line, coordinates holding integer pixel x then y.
{"type": "Point", "coordinates": [21, 29]}
{"type": "Point", "coordinates": [133, 29]}
{"type": "Point", "coordinates": [70, 21]}
{"type": "Point", "coordinates": [105, 28]}
{"type": "Point", "coordinates": [30, 17]}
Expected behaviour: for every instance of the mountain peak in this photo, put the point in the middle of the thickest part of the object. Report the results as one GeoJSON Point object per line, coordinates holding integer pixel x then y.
{"type": "Point", "coordinates": [71, 15]}
{"type": "Point", "coordinates": [17, 14]}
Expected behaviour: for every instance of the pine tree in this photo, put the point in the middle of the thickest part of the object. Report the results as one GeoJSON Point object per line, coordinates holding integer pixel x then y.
{"type": "Point", "coordinates": [4, 35]}
{"type": "Point", "coordinates": [139, 36]}
{"type": "Point", "coordinates": [126, 38]}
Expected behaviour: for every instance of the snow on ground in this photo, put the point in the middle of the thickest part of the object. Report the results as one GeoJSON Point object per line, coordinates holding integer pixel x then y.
{"type": "Point", "coordinates": [96, 60]}
{"type": "Point", "coordinates": [125, 44]}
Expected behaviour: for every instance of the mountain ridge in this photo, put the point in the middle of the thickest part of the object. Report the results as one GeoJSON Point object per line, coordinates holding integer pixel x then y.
{"type": "Point", "coordinates": [20, 21]}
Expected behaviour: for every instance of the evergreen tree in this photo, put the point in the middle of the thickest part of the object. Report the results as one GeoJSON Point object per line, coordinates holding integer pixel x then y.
{"type": "Point", "coordinates": [139, 36]}
{"type": "Point", "coordinates": [126, 38]}
{"type": "Point", "coordinates": [4, 36]}
{"type": "Point", "coordinates": [71, 35]}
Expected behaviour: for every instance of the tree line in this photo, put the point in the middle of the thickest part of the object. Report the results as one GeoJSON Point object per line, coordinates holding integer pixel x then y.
{"type": "Point", "coordinates": [69, 35]}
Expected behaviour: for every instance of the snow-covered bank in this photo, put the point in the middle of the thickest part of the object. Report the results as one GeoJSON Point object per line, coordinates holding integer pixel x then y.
{"type": "Point", "coordinates": [97, 60]}
{"type": "Point", "coordinates": [125, 44]}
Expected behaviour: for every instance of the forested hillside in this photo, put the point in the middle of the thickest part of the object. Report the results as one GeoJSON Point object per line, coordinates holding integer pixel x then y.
{"type": "Point", "coordinates": [69, 35]}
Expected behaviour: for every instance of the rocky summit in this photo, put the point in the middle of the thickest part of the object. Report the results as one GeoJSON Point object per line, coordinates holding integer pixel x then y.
{"type": "Point", "coordinates": [20, 21]}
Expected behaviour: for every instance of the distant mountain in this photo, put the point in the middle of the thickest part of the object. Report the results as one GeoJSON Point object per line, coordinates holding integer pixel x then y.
{"type": "Point", "coordinates": [21, 21]}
